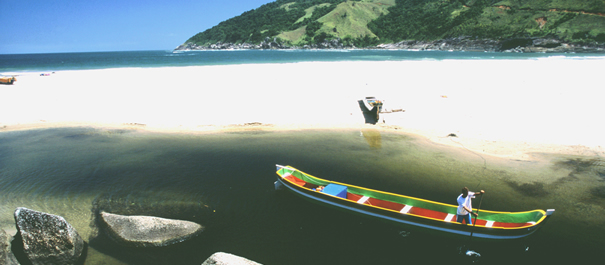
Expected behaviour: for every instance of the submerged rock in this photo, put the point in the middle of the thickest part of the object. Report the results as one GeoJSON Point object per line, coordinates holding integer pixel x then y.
{"type": "Point", "coordinates": [148, 231]}
{"type": "Point", "coordinates": [47, 238]}
{"type": "Point", "coordinates": [6, 255]}
{"type": "Point", "coordinates": [222, 258]}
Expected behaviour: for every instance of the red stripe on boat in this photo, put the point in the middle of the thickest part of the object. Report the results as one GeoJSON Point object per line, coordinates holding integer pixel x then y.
{"type": "Point", "coordinates": [500, 224]}
{"type": "Point", "coordinates": [385, 204]}
{"type": "Point", "coordinates": [479, 222]}
{"type": "Point", "coordinates": [353, 197]}
{"type": "Point", "coordinates": [295, 180]}
{"type": "Point", "coordinates": [427, 213]}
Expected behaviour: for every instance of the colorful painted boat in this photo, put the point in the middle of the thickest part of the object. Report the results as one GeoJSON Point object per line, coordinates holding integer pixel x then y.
{"type": "Point", "coordinates": [410, 211]}
{"type": "Point", "coordinates": [9, 80]}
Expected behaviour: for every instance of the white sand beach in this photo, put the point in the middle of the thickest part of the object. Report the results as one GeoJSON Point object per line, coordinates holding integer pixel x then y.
{"type": "Point", "coordinates": [508, 108]}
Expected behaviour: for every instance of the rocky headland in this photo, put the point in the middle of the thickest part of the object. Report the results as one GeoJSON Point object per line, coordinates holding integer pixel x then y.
{"type": "Point", "coordinates": [450, 44]}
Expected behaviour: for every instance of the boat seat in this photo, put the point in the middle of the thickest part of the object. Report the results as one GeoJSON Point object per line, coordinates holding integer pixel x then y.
{"type": "Point", "coordinates": [336, 190]}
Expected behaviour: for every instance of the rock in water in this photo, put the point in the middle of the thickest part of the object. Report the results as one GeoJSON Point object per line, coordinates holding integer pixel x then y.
{"type": "Point", "coordinates": [6, 255]}
{"type": "Point", "coordinates": [221, 258]}
{"type": "Point", "coordinates": [148, 231]}
{"type": "Point", "coordinates": [47, 238]}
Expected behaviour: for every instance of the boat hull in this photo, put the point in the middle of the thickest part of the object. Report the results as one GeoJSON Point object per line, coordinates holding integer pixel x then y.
{"type": "Point", "coordinates": [451, 228]}
{"type": "Point", "coordinates": [7, 80]}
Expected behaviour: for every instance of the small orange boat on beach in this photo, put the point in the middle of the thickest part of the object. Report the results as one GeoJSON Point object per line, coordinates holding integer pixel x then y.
{"type": "Point", "coordinates": [9, 80]}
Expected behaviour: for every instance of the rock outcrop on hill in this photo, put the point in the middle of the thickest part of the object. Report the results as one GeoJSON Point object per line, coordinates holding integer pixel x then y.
{"type": "Point", "coordinates": [450, 44]}
{"type": "Point", "coordinates": [47, 238]}
{"type": "Point", "coordinates": [148, 231]}
{"type": "Point", "coordinates": [489, 45]}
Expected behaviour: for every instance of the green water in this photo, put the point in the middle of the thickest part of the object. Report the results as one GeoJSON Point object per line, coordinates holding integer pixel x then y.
{"type": "Point", "coordinates": [224, 181]}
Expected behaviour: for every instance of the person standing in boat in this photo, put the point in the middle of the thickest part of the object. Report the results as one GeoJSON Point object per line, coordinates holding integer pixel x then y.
{"type": "Point", "coordinates": [465, 206]}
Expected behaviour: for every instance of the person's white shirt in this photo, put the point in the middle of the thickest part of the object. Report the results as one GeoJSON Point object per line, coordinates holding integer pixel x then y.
{"type": "Point", "coordinates": [465, 202]}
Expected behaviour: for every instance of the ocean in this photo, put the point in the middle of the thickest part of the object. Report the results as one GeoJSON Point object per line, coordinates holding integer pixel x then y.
{"type": "Point", "coordinates": [10, 63]}
{"type": "Point", "coordinates": [225, 181]}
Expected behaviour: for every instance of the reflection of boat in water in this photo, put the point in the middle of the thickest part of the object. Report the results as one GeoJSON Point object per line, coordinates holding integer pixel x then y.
{"type": "Point", "coordinates": [9, 80]}
{"type": "Point", "coordinates": [401, 209]}
{"type": "Point", "coordinates": [373, 137]}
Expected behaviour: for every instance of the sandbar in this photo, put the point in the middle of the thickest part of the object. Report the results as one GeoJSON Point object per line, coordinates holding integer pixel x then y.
{"type": "Point", "coordinates": [506, 108]}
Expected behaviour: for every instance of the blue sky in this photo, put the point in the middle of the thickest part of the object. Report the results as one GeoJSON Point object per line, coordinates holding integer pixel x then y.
{"type": "Point", "coordinates": [49, 26]}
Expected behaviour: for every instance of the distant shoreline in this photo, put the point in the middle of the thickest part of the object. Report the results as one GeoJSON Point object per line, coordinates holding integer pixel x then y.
{"type": "Point", "coordinates": [524, 45]}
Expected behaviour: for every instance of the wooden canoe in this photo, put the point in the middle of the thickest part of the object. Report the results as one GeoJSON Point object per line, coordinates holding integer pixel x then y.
{"type": "Point", "coordinates": [410, 211]}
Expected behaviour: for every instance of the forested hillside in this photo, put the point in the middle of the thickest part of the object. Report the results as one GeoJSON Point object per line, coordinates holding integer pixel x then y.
{"type": "Point", "coordinates": [363, 23]}
{"type": "Point", "coordinates": [565, 19]}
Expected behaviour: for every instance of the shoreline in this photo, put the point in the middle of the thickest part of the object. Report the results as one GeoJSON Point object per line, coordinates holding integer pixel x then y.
{"type": "Point", "coordinates": [462, 43]}
{"type": "Point", "coordinates": [59, 67]}
{"type": "Point", "coordinates": [513, 150]}
{"type": "Point", "coordinates": [504, 108]}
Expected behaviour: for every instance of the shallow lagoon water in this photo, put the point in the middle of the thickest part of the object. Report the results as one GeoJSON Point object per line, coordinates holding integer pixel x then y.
{"type": "Point", "coordinates": [224, 181]}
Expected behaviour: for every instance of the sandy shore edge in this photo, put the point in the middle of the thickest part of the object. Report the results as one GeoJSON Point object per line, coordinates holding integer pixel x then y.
{"type": "Point", "coordinates": [516, 150]}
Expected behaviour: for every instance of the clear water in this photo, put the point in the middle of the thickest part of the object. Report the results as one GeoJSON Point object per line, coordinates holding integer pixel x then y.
{"type": "Point", "coordinates": [224, 181]}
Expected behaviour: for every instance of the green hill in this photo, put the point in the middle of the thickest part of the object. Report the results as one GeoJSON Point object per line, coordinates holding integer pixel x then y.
{"type": "Point", "coordinates": [363, 23]}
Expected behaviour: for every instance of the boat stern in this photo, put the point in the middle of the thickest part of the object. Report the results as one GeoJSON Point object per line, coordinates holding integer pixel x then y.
{"type": "Point", "coordinates": [549, 212]}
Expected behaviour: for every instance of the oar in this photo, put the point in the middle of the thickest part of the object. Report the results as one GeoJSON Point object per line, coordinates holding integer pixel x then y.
{"type": "Point", "coordinates": [475, 222]}
{"type": "Point", "coordinates": [469, 252]}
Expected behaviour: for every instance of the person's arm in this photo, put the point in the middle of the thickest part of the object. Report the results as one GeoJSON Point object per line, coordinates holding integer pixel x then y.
{"type": "Point", "coordinates": [470, 211]}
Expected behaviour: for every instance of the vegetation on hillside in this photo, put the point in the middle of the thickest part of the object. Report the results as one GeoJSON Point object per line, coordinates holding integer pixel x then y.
{"type": "Point", "coordinates": [371, 22]}
{"type": "Point", "coordinates": [268, 20]}
{"type": "Point", "coordinates": [436, 19]}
